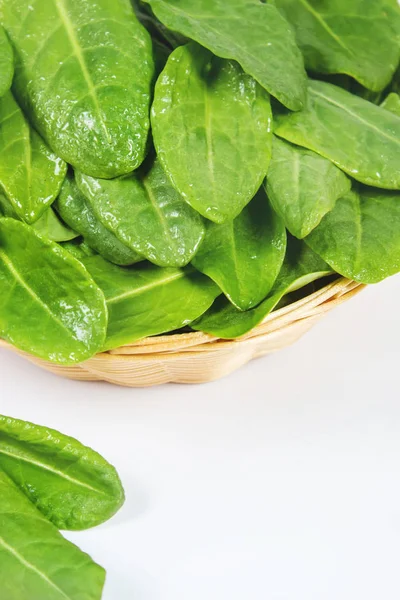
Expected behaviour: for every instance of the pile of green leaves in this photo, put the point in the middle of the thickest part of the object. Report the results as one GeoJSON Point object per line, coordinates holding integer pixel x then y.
{"type": "Point", "coordinates": [49, 481]}
{"type": "Point", "coordinates": [175, 163]}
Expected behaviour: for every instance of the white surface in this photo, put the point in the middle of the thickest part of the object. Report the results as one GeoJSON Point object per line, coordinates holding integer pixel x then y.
{"type": "Point", "coordinates": [278, 483]}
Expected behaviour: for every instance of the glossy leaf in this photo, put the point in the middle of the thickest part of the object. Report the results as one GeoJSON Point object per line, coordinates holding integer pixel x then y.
{"type": "Point", "coordinates": [392, 103]}
{"type": "Point", "coordinates": [244, 256]}
{"type": "Point", "coordinates": [75, 209]}
{"type": "Point", "coordinates": [79, 249]}
{"type": "Point", "coordinates": [360, 238]}
{"type": "Point", "coordinates": [30, 174]}
{"type": "Point", "coordinates": [252, 33]}
{"type": "Point", "coordinates": [303, 186]}
{"type": "Point", "coordinates": [360, 138]}
{"type": "Point", "coordinates": [72, 485]}
{"type": "Point", "coordinates": [212, 131]}
{"type": "Point", "coordinates": [6, 63]}
{"type": "Point", "coordinates": [36, 562]}
{"type": "Point", "coordinates": [301, 267]}
{"type": "Point", "coordinates": [83, 75]}
{"type": "Point", "coordinates": [146, 300]}
{"type": "Point", "coordinates": [49, 306]}
{"type": "Point", "coordinates": [354, 37]}
{"type": "Point", "coordinates": [147, 214]}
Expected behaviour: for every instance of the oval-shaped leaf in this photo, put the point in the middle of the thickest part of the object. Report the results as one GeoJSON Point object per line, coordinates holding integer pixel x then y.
{"type": "Point", "coordinates": [360, 138]}
{"type": "Point", "coordinates": [244, 256]}
{"type": "Point", "coordinates": [147, 300]}
{"type": "Point", "coordinates": [30, 174]}
{"type": "Point", "coordinates": [252, 33]}
{"type": "Point", "coordinates": [354, 37]}
{"type": "Point", "coordinates": [360, 237]}
{"type": "Point", "coordinates": [83, 75]}
{"type": "Point", "coordinates": [36, 562]}
{"type": "Point", "coordinates": [303, 186]}
{"type": "Point", "coordinates": [392, 103]}
{"type": "Point", "coordinates": [301, 267]}
{"type": "Point", "coordinates": [75, 209]}
{"type": "Point", "coordinates": [52, 228]}
{"type": "Point", "coordinates": [49, 305]}
{"type": "Point", "coordinates": [72, 485]}
{"type": "Point", "coordinates": [213, 136]}
{"type": "Point", "coordinates": [6, 63]}
{"type": "Point", "coordinates": [147, 214]}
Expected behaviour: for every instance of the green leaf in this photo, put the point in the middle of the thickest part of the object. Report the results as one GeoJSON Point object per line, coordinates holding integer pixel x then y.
{"type": "Point", "coordinates": [30, 174]}
{"type": "Point", "coordinates": [146, 300]}
{"type": "Point", "coordinates": [72, 485]}
{"type": "Point", "coordinates": [301, 267]}
{"type": "Point", "coordinates": [36, 562]}
{"type": "Point", "coordinates": [147, 214]}
{"type": "Point", "coordinates": [360, 238]}
{"type": "Point", "coordinates": [79, 249]}
{"type": "Point", "coordinates": [244, 256]}
{"type": "Point", "coordinates": [354, 37]}
{"type": "Point", "coordinates": [6, 63]}
{"type": "Point", "coordinates": [392, 103]}
{"type": "Point", "coordinates": [213, 136]}
{"type": "Point", "coordinates": [360, 138]}
{"type": "Point", "coordinates": [83, 75]}
{"type": "Point", "coordinates": [303, 186]}
{"type": "Point", "coordinates": [49, 306]}
{"type": "Point", "coordinates": [75, 210]}
{"type": "Point", "coordinates": [252, 33]}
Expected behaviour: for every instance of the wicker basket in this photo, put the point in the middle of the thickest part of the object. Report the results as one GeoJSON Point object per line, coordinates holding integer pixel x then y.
{"type": "Point", "coordinates": [199, 357]}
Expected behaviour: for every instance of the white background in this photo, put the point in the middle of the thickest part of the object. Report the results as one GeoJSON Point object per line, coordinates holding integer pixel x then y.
{"type": "Point", "coordinates": [279, 482]}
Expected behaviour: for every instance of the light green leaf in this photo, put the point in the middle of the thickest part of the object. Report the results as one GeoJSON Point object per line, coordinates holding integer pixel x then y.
{"type": "Point", "coordinates": [30, 174]}
{"type": "Point", "coordinates": [392, 103]}
{"type": "Point", "coordinates": [360, 238]}
{"type": "Point", "coordinates": [146, 300]}
{"type": "Point", "coordinates": [36, 562]}
{"type": "Point", "coordinates": [301, 267]}
{"type": "Point", "coordinates": [212, 136]}
{"type": "Point", "coordinates": [83, 75]}
{"type": "Point", "coordinates": [147, 214]}
{"type": "Point", "coordinates": [251, 32]}
{"type": "Point", "coordinates": [49, 306]}
{"type": "Point", "coordinates": [354, 37]}
{"type": "Point", "coordinates": [6, 63]}
{"type": "Point", "coordinates": [75, 209]}
{"type": "Point", "coordinates": [360, 138]}
{"type": "Point", "coordinates": [303, 186]}
{"type": "Point", "coordinates": [244, 256]}
{"type": "Point", "coordinates": [72, 485]}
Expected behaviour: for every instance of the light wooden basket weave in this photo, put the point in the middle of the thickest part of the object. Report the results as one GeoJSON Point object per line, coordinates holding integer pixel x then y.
{"type": "Point", "coordinates": [198, 357]}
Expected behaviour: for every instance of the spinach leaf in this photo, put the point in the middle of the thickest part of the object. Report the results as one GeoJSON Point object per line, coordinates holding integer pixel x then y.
{"type": "Point", "coordinates": [83, 75]}
{"type": "Point", "coordinates": [212, 136]}
{"type": "Point", "coordinates": [355, 37]}
{"type": "Point", "coordinates": [392, 103]}
{"type": "Point", "coordinates": [36, 562]}
{"type": "Point", "coordinates": [30, 174]}
{"type": "Point", "coordinates": [72, 485]}
{"type": "Point", "coordinates": [147, 300]}
{"type": "Point", "coordinates": [252, 33]}
{"type": "Point", "coordinates": [75, 209]}
{"type": "Point", "coordinates": [360, 138]}
{"type": "Point", "coordinates": [147, 214]}
{"type": "Point", "coordinates": [244, 256]}
{"type": "Point", "coordinates": [49, 306]}
{"type": "Point", "coordinates": [303, 186]}
{"type": "Point", "coordinates": [79, 249]}
{"type": "Point", "coordinates": [360, 238]}
{"type": "Point", "coordinates": [301, 267]}
{"type": "Point", "coordinates": [6, 63]}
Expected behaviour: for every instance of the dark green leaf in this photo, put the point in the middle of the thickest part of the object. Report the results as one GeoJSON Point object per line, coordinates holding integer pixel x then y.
{"type": "Point", "coordinates": [303, 186]}
{"type": "Point", "coordinates": [244, 256]}
{"type": "Point", "coordinates": [212, 136]}
{"type": "Point", "coordinates": [49, 306]}
{"type": "Point", "coordinates": [360, 238]}
{"type": "Point", "coordinates": [360, 138]}
{"type": "Point", "coordinates": [83, 75]}
{"type": "Point", "coordinates": [252, 33]}
{"type": "Point", "coordinates": [6, 63]}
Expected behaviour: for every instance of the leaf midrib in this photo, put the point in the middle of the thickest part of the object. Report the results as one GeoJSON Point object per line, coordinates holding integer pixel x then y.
{"type": "Point", "coordinates": [325, 25]}
{"type": "Point", "coordinates": [145, 288]}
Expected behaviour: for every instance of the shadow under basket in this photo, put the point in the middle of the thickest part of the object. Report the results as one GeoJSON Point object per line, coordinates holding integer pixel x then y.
{"type": "Point", "coordinates": [197, 357]}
